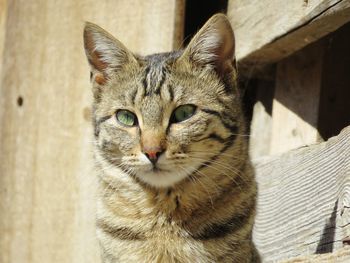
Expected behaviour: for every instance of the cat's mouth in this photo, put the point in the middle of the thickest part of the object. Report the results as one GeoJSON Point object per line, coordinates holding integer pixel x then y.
{"type": "Point", "coordinates": [156, 169]}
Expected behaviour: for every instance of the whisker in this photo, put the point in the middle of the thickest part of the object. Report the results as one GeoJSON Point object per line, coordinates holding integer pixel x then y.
{"type": "Point", "coordinates": [243, 135]}
{"type": "Point", "coordinates": [233, 179]}
{"type": "Point", "coordinates": [208, 153]}
{"type": "Point", "coordinates": [225, 165]}
{"type": "Point", "coordinates": [201, 183]}
{"type": "Point", "coordinates": [214, 162]}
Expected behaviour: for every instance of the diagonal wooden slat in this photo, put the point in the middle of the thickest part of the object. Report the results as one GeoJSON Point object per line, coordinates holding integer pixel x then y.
{"type": "Point", "coordinates": [269, 30]}
{"type": "Point", "coordinates": [304, 200]}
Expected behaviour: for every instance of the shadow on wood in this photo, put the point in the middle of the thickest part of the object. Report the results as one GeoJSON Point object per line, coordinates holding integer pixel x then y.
{"type": "Point", "coordinates": [325, 245]}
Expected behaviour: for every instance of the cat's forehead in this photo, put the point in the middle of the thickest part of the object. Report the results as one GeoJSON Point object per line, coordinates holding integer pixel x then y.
{"type": "Point", "coordinates": [154, 87]}
{"type": "Point", "coordinates": [161, 58]}
{"type": "Point", "coordinates": [155, 75]}
{"type": "Point", "coordinates": [162, 82]}
{"type": "Point", "coordinates": [156, 69]}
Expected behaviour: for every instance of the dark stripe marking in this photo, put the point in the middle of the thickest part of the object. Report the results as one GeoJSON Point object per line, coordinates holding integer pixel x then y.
{"type": "Point", "coordinates": [144, 81]}
{"type": "Point", "coordinates": [161, 82]}
{"type": "Point", "coordinates": [98, 123]}
{"type": "Point", "coordinates": [177, 201]}
{"type": "Point", "coordinates": [171, 92]}
{"type": "Point", "coordinates": [123, 233]}
{"type": "Point", "coordinates": [133, 96]}
{"type": "Point", "coordinates": [213, 136]}
{"type": "Point", "coordinates": [231, 127]}
{"type": "Point", "coordinates": [212, 112]}
{"type": "Point", "coordinates": [229, 85]}
{"type": "Point", "coordinates": [229, 142]}
{"type": "Point", "coordinates": [231, 225]}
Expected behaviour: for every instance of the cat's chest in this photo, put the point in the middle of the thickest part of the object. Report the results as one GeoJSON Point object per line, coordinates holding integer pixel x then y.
{"type": "Point", "coordinates": [163, 216]}
{"type": "Point", "coordinates": [149, 239]}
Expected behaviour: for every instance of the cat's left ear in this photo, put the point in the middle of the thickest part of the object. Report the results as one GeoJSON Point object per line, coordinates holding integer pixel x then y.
{"type": "Point", "coordinates": [106, 54]}
{"type": "Point", "coordinates": [213, 46]}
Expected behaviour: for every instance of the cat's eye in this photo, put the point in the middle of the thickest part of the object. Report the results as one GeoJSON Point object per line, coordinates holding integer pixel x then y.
{"type": "Point", "coordinates": [126, 117]}
{"type": "Point", "coordinates": [183, 113]}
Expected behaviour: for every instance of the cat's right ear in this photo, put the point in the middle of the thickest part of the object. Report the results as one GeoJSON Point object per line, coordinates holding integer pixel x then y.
{"type": "Point", "coordinates": [213, 46]}
{"type": "Point", "coordinates": [105, 54]}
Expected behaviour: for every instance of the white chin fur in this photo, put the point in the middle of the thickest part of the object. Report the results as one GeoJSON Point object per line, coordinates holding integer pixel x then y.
{"type": "Point", "coordinates": [162, 178]}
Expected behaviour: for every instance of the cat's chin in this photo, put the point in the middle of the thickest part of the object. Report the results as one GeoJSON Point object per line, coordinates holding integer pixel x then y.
{"type": "Point", "coordinates": [161, 178]}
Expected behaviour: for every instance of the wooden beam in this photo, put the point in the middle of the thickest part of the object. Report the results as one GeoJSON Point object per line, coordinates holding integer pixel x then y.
{"type": "Point", "coordinates": [304, 200]}
{"type": "Point", "coordinates": [269, 30]}
{"type": "Point", "coordinates": [46, 181]}
{"type": "Point", "coordinates": [296, 100]}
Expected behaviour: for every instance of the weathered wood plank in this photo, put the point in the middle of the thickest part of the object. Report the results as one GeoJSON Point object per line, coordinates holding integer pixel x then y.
{"type": "Point", "coordinates": [3, 17]}
{"type": "Point", "coordinates": [269, 30]}
{"type": "Point", "coordinates": [296, 99]}
{"type": "Point", "coordinates": [340, 256]}
{"type": "Point", "coordinates": [261, 124]}
{"type": "Point", "coordinates": [304, 200]}
{"type": "Point", "coordinates": [46, 180]}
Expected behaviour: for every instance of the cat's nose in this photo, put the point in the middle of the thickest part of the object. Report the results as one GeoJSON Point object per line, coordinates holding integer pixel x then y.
{"type": "Point", "coordinates": [153, 154]}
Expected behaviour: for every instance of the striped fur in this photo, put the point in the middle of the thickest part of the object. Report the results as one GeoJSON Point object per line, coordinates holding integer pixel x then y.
{"type": "Point", "coordinates": [197, 204]}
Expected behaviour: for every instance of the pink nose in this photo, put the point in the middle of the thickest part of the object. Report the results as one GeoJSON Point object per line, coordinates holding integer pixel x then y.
{"type": "Point", "coordinates": [153, 153]}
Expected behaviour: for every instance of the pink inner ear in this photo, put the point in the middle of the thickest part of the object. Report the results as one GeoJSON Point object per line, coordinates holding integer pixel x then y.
{"type": "Point", "coordinates": [94, 56]}
{"type": "Point", "coordinates": [97, 62]}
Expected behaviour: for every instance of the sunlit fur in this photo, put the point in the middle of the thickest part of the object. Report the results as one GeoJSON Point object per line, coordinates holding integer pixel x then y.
{"type": "Point", "coordinates": [197, 204]}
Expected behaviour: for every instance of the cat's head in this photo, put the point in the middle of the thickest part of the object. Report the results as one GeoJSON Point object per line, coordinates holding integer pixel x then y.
{"type": "Point", "coordinates": [162, 117]}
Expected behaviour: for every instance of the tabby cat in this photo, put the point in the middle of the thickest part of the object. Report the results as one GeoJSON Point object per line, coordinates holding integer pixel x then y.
{"type": "Point", "coordinates": [175, 180]}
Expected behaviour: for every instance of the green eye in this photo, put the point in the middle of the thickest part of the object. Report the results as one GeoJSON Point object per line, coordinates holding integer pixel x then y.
{"type": "Point", "coordinates": [126, 117]}
{"type": "Point", "coordinates": [183, 112]}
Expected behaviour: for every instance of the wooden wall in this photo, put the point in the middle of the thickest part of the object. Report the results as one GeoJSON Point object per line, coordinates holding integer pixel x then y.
{"type": "Point", "coordinates": [46, 168]}
{"type": "Point", "coordinates": [3, 15]}
{"type": "Point", "coordinates": [46, 177]}
{"type": "Point", "coordinates": [300, 47]}
{"type": "Point", "coordinates": [297, 54]}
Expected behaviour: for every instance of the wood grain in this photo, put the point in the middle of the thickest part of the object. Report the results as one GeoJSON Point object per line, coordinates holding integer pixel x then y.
{"type": "Point", "coordinates": [304, 200]}
{"type": "Point", "coordinates": [46, 178]}
{"type": "Point", "coordinates": [3, 18]}
{"type": "Point", "coordinates": [261, 124]}
{"type": "Point", "coordinates": [296, 100]}
{"type": "Point", "coordinates": [269, 30]}
{"type": "Point", "coordinates": [340, 256]}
